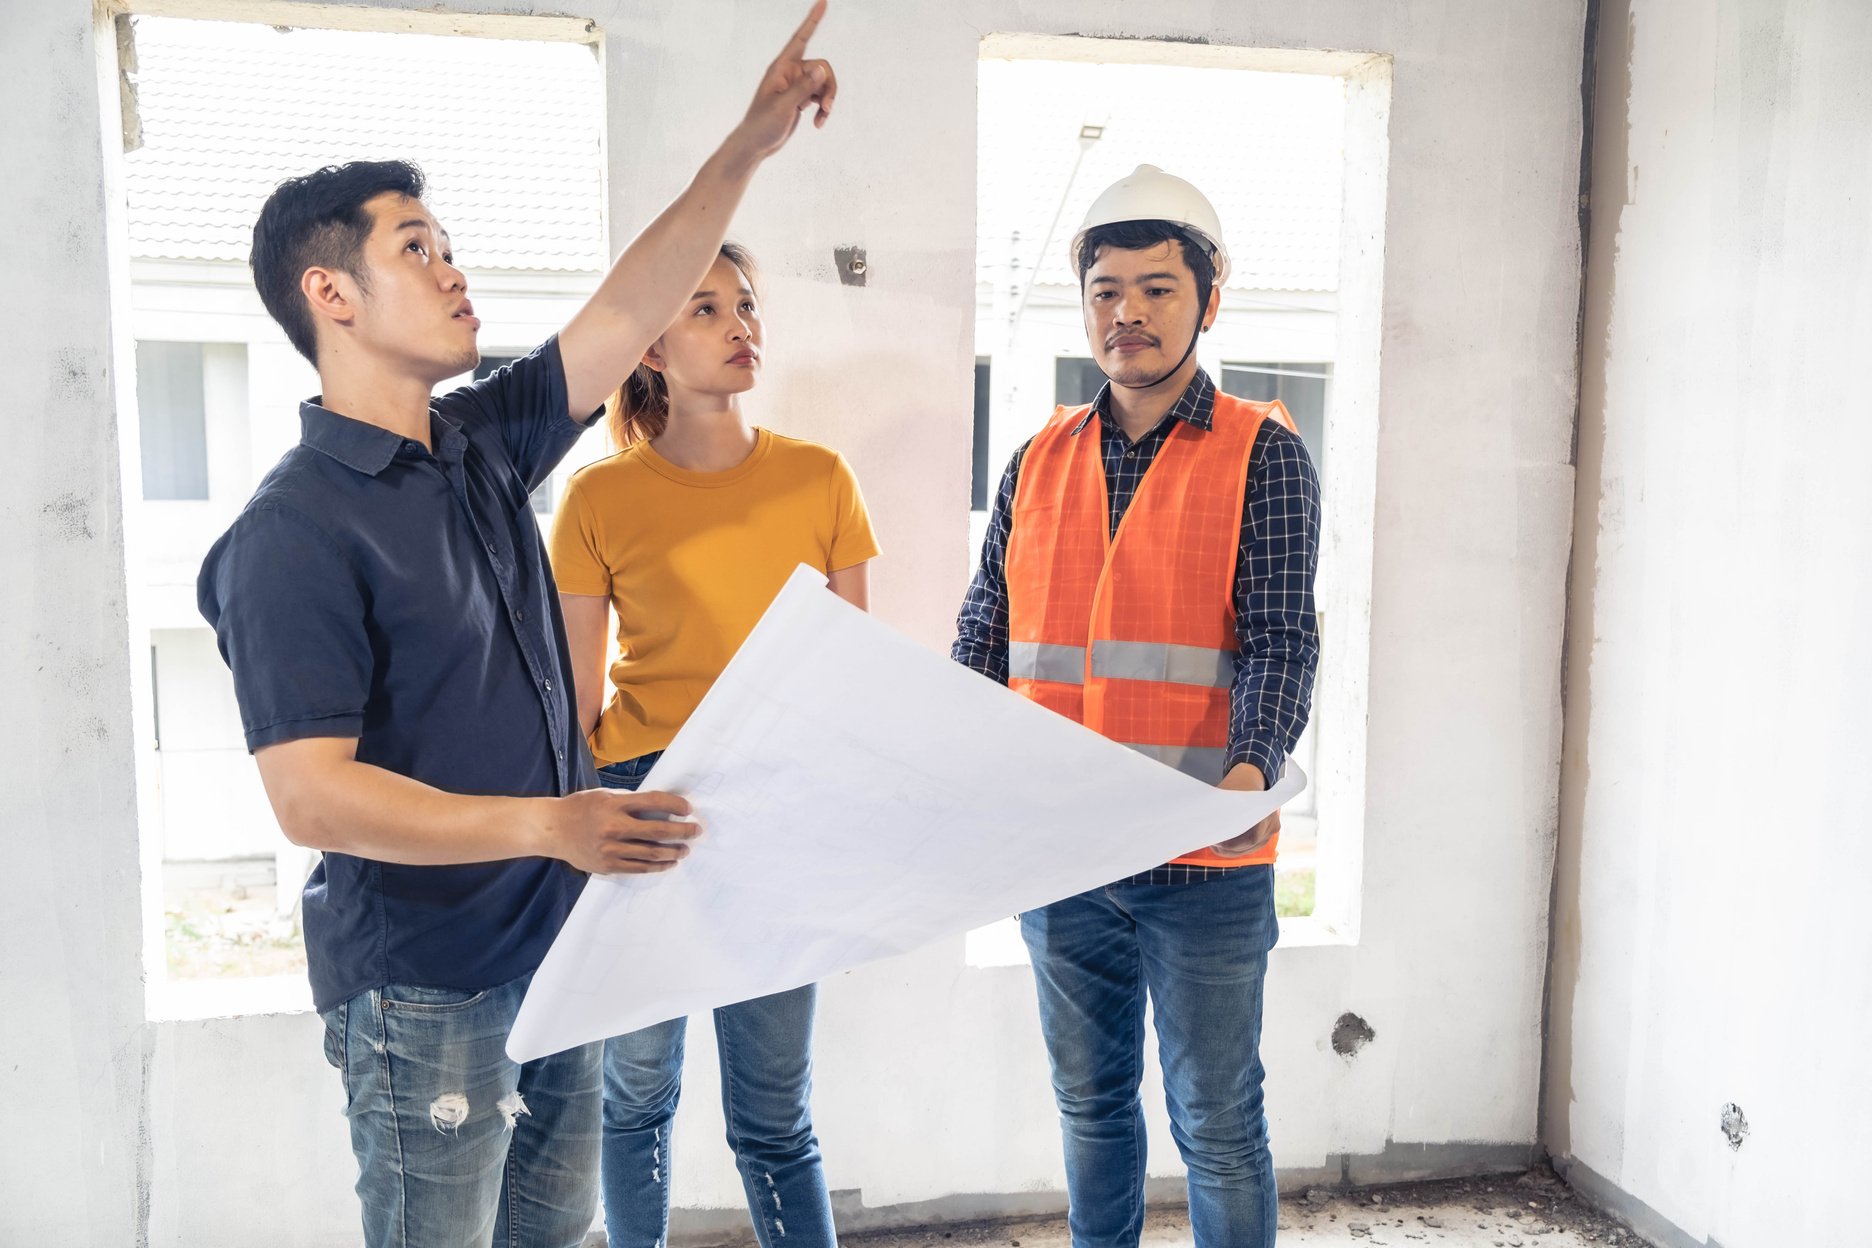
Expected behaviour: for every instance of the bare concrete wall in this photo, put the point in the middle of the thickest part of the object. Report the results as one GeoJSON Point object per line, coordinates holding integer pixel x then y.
{"type": "Point", "coordinates": [72, 1040]}
{"type": "Point", "coordinates": [932, 1080]}
{"type": "Point", "coordinates": [1710, 941]}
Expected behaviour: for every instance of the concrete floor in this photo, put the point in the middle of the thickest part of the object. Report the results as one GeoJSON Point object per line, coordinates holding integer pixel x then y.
{"type": "Point", "coordinates": [1534, 1210]}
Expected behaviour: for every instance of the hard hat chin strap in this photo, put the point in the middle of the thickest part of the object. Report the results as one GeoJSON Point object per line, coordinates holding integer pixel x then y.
{"type": "Point", "coordinates": [1159, 380]}
{"type": "Point", "coordinates": [1202, 302]}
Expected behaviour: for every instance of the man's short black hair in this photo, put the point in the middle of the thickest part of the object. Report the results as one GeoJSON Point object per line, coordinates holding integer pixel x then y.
{"type": "Point", "coordinates": [1139, 235]}
{"type": "Point", "coordinates": [319, 221]}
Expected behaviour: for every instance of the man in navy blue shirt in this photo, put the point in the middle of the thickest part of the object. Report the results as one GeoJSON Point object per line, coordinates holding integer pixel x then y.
{"type": "Point", "coordinates": [385, 606]}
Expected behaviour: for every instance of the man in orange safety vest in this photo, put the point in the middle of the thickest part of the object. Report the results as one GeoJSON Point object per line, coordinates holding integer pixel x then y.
{"type": "Point", "coordinates": [1148, 571]}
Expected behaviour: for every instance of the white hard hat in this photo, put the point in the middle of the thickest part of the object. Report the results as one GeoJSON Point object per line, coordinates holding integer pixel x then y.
{"type": "Point", "coordinates": [1150, 194]}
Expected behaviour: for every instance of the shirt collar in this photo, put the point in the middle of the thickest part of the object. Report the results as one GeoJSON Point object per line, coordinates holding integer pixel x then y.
{"type": "Point", "coordinates": [1195, 406]}
{"type": "Point", "coordinates": [368, 448]}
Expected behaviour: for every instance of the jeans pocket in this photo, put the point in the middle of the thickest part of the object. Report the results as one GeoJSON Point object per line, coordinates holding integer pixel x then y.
{"type": "Point", "coordinates": [334, 1035]}
{"type": "Point", "coordinates": [628, 774]}
{"type": "Point", "coordinates": [422, 999]}
{"type": "Point", "coordinates": [336, 1019]}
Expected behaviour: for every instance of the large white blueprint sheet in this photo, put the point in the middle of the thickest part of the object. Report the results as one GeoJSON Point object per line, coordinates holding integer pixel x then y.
{"type": "Point", "coordinates": [862, 796]}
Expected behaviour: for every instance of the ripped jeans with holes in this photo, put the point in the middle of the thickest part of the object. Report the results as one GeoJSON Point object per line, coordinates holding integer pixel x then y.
{"type": "Point", "coordinates": [457, 1145]}
{"type": "Point", "coordinates": [765, 1052]}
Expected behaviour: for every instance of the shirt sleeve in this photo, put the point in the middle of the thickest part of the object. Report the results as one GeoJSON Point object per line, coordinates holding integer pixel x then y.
{"type": "Point", "coordinates": [982, 625]}
{"type": "Point", "coordinates": [522, 407]}
{"type": "Point", "coordinates": [290, 616]}
{"type": "Point", "coordinates": [1275, 624]}
{"type": "Point", "coordinates": [853, 540]}
{"type": "Point", "coordinates": [577, 548]}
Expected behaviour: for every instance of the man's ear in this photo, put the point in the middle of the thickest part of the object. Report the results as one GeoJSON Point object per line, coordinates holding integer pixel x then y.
{"type": "Point", "coordinates": [332, 294]}
{"type": "Point", "coordinates": [1213, 310]}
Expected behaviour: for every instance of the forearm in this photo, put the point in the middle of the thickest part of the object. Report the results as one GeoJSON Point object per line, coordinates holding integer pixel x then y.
{"type": "Point", "coordinates": [853, 584]}
{"type": "Point", "coordinates": [981, 648]}
{"type": "Point", "coordinates": [347, 807]}
{"type": "Point", "coordinates": [654, 277]}
{"type": "Point", "coordinates": [981, 640]}
{"type": "Point", "coordinates": [1270, 702]}
{"type": "Point", "coordinates": [1276, 624]}
{"type": "Point", "coordinates": [982, 624]}
{"type": "Point", "coordinates": [590, 707]}
{"type": "Point", "coordinates": [659, 270]}
{"type": "Point", "coordinates": [586, 619]}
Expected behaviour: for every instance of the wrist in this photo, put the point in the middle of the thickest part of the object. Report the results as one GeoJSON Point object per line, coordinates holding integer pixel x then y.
{"type": "Point", "coordinates": [1264, 754]}
{"type": "Point", "coordinates": [738, 156]}
{"type": "Point", "coordinates": [1245, 776]}
{"type": "Point", "coordinates": [538, 822]}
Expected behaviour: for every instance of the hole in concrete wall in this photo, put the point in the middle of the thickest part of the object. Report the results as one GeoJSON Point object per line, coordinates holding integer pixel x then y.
{"type": "Point", "coordinates": [852, 265]}
{"type": "Point", "coordinates": [1735, 1127]}
{"type": "Point", "coordinates": [1350, 1034]}
{"type": "Point", "coordinates": [509, 132]}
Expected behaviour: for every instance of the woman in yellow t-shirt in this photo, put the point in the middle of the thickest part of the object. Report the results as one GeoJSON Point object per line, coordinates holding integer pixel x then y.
{"type": "Point", "coordinates": [688, 532]}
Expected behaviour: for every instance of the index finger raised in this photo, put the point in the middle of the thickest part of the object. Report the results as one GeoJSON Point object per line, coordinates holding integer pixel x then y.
{"type": "Point", "coordinates": [796, 46]}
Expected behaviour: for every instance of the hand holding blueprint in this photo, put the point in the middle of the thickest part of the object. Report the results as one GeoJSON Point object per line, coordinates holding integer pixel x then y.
{"type": "Point", "coordinates": [862, 796]}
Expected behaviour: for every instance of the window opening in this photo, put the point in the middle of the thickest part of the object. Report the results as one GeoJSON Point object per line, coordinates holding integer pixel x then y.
{"type": "Point", "coordinates": [508, 132]}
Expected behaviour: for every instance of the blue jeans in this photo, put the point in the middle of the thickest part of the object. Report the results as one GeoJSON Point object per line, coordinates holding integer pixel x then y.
{"type": "Point", "coordinates": [765, 1046]}
{"type": "Point", "coordinates": [456, 1145]}
{"type": "Point", "coordinates": [1200, 950]}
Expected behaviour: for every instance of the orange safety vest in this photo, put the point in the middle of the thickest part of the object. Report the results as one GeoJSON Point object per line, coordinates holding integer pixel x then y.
{"type": "Point", "coordinates": [1133, 634]}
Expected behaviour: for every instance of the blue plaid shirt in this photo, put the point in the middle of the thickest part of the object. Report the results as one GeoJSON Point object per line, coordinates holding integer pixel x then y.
{"type": "Point", "coordinates": [1275, 625]}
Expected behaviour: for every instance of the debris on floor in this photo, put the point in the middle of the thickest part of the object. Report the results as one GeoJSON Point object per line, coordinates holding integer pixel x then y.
{"type": "Point", "coordinates": [1533, 1210]}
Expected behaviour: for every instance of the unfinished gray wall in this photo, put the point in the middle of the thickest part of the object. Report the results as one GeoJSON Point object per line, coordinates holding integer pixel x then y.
{"type": "Point", "coordinates": [73, 1068]}
{"type": "Point", "coordinates": [1710, 942]}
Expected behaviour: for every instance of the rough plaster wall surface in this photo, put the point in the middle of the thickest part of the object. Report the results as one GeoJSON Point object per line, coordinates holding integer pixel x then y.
{"type": "Point", "coordinates": [931, 1079]}
{"type": "Point", "coordinates": [1714, 855]}
{"type": "Point", "coordinates": [72, 1062]}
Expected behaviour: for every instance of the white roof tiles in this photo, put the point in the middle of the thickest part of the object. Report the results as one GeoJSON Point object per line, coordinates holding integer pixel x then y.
{"type": "Point", "coordinates": [508, 134]}
{"type": "Point", "coordinates": [1266, 148]}
{"type": "Point", "coordinates": [510, 137]}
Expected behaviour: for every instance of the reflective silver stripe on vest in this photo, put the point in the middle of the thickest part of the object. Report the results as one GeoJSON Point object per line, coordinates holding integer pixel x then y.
{"type": "Point", "coordinates": [1172, 664]}
{"type": "Point", "coordinates": [1039, 660]}
{"type": "Point", "coordinates": [1199, 761]}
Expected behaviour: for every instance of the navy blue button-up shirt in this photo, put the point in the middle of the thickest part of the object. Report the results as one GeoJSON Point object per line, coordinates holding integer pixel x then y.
{"type": "Point", "coordinates": [374, 589]}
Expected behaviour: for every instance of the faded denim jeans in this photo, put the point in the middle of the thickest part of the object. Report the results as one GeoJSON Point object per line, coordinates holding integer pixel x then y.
{"type": "Point", "coordinates": [456, 1145]}
{"type": "Point", "coordinates": [765, 1047]}
{"type": "Point", "coordinates": [1200, 950]}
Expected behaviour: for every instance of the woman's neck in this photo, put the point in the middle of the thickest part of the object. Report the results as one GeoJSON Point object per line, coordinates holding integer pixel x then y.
{"type": "Point", "coordinates": [706, 433]}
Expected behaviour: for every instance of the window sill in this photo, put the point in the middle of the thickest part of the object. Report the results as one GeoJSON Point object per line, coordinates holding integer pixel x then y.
{"type": "Point", "coordinates": [189, 1000]}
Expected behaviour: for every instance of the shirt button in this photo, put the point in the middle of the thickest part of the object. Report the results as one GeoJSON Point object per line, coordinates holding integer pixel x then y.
{"type": "Point", "coordinates": [561, 754]}
{"type": "Point", "coordinates": [519, 613]}
{"type": "Point", "coordinates": [549, 686]}
{"type": "Point", "coordinates": [490, 548]}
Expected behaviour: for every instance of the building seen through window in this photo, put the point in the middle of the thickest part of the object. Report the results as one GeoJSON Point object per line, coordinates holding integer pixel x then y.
{"type": "Point", "coordinates": [1301, 388]}
{"type": "Point", "coordinates": [173, 420]}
